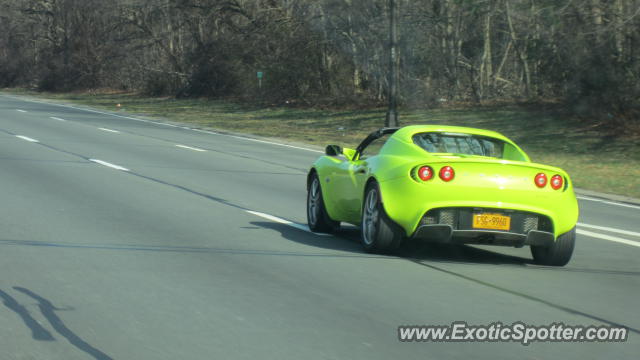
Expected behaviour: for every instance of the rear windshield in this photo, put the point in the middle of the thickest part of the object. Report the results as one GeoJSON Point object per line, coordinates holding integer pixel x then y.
{"type": "Point", "coordinates": [454, 143]}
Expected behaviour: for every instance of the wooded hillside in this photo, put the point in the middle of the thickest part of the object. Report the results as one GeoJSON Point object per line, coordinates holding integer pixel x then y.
{"type": "Point", "coordinates": [582, 53]}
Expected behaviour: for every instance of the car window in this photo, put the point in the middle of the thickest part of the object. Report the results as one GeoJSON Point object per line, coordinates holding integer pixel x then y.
{"type": "Point", "coordinates": [374, 147]}
{"type": "Point", "coordinates": [453, 143]}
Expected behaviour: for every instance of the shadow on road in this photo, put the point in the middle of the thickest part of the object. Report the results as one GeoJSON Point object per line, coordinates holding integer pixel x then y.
{"type": "Point", "coordinates": [348, 239]}
{"type": "Point", "coordinates": [37, 331]}
{"type": "Point", "coordinates": [48, 311]}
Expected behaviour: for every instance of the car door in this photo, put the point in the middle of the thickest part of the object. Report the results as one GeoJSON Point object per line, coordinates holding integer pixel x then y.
{"type": "Point", "coordinates": [351, 178]}
{"type": "Point", "coordinates": [331, 177]}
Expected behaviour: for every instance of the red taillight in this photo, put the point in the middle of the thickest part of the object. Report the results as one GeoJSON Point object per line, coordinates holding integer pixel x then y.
{"type": "Point", "coordinates": [556, 182]}
{"type": "Point", "coordinates": [447, 173]}
{"type": "Point", "coordinates": [541, 180]}
{"type": "Point", "coordinates": [425, 173]}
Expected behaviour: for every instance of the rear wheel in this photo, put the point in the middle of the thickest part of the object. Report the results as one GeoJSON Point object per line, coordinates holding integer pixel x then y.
{"type": "Point", "coordinates": [317, 217]}
{"type": "Point", "coordinates": [559, 253]}
{"type": "Point", "coordinates": [378, 232]}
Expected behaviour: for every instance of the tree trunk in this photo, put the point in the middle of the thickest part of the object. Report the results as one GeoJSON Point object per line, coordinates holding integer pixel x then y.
{"type": "Point", "coordinates": [521, 51]}
{"type": "Point", "coordinates": [486, 67]}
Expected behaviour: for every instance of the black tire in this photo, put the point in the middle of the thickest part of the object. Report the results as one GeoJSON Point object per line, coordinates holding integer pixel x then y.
{"type": "Point", "coordinates": [378, 233]}
{"type": "Point", "coordinates": [317, 217]}
{"type": "Point", "coordinates": [557, 254]}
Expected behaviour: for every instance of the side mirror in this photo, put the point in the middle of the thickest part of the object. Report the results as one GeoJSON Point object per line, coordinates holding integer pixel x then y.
{"type": "Point", "coordinates": [333, 150]}
{"type": "Point", "coordinates": [350, 154]}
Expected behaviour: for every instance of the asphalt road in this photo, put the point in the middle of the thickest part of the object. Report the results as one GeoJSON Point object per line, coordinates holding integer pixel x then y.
{"type": "Point", "coordinates": [127, 239]}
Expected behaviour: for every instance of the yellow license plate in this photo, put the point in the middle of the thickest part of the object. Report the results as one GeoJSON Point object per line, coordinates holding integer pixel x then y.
{"type": "Point", "coordinates": [491, 221]}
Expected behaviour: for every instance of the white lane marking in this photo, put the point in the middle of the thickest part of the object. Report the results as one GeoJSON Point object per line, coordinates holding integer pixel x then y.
{"type": "Point", "coordinates": [109, 130]}
{"type": "Point", "coordinates": [56, 118]}
{"type": "Point", "coordinates": [27, 138]}
{"type": "Point", "coordinates": [22, 111]}
{"type": "Point", "coordinates": [89, 110]}
{"type": "Point", "coordinates": [165, 124]}
{"type": "Point", "coordinates": [274, 143]}
{"type": "Point", "coordinates": [109, 164]}
{"type": "Point", "coordinates": [190, 148]}
{"type": "Point", "coordinates": [613, 230]}
{"type": "Point", "coordinates": [206, 131]}
{"type": "Point", "coordinates": [608, 238]}
{"type": "Point", "coordinates": [283, 221]}
{"type": "Point", "coordinates": [608, 202]}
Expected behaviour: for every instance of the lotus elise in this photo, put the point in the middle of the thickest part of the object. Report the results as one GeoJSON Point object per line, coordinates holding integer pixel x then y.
{"type": "Point", "coordinates": [444, 184]}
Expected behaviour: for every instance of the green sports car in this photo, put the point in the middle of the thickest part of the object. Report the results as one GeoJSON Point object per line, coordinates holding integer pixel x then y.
{"type": "Point", "coordinates": [445, 184]}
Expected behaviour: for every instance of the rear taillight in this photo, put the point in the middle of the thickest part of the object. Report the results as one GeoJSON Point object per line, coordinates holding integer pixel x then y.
{"type": "Point", "coordinates": [425, 173]}
{"type": "Point", "coordinates": [556, 182]}
{"type": "Point", "coordinates": [447, 173]}
{"type": "Point", "coordinates": [541, 180]}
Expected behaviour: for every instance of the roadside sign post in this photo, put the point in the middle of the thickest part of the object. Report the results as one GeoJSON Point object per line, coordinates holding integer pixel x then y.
{"type": "Point", "coordinates": [260, 75]}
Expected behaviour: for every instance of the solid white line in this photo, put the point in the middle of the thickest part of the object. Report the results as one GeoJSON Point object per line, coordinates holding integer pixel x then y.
{"type": "Point", "coordinates": [283, 221]}
{"type": "Point", "coordinates": [27, 138]}
{"type": "Point", "coordinates": [22, 111]}
{"type": "Point", "coordinates": [608, 202]}
{"type": "Point", "coordinates": [205, 131]}
{"type": "Point", "coordinates": [614, 230]}
{"type": "Point", "coordinates": [274, 143]}
{"type": "Point", "coordinates": [109, 165]}
{"type": "Point", "coordinates": [109, 130]}
{"type": "Point", "coordinates": [56, 118]}
{"type": "Point", "coordinates": [190, 148]}
{"type": "Point", "coordinates": [608, 238]}
{"type": "Point", "coordinates": [166, 124]}
{"type": "Point", "coordinates": [88, 110]}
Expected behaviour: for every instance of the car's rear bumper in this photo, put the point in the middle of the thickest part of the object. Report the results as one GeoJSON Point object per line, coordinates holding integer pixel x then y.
{"type": "Point", "coordinates": [407, 201]}
{"type": "Point", "coordinates": [446, 234]}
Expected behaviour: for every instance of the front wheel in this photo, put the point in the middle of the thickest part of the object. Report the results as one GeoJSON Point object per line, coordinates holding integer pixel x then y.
{"type": "Point", "coordinates": [317, 217]}
{"type": "Point", "coordinates": [378, 232]}
{"type": "Point", "coordinates": [557, 254]}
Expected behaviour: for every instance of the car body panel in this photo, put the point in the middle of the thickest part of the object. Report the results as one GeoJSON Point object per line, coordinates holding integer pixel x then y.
{"type": "Point", "coordinates": [479, 182]}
